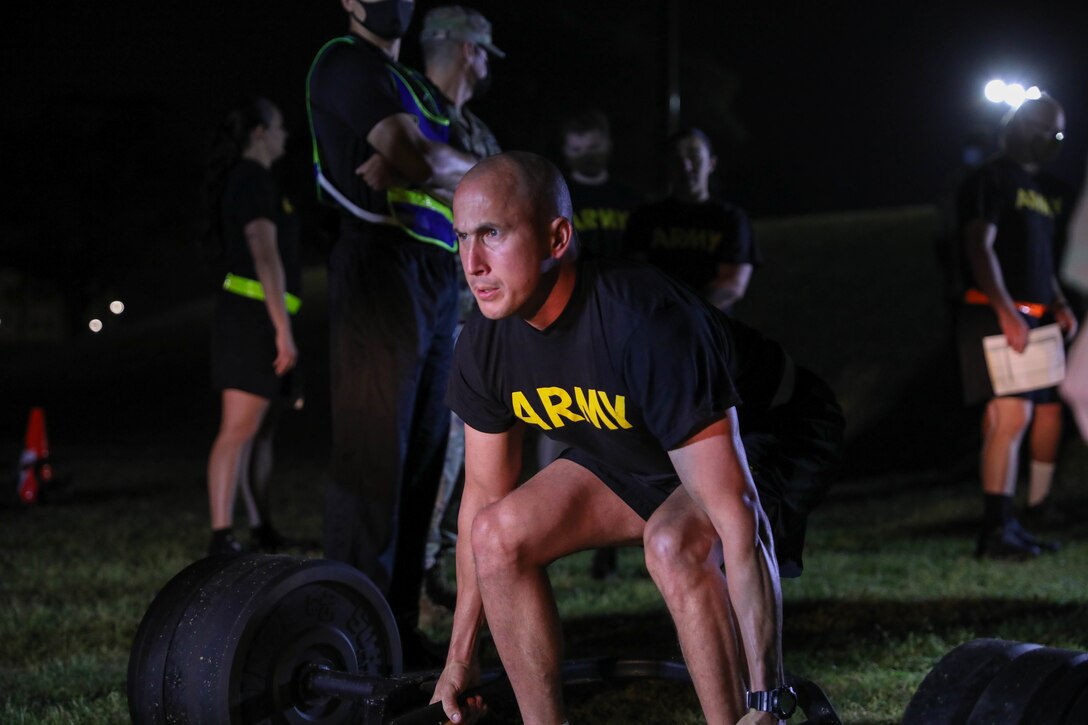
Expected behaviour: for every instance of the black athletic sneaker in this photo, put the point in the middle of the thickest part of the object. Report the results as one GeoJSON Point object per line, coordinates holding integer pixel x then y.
{"type": "Point", "coordinates": [224, 544]}
{"type": "Point", "coordinates": [1045, 545]}
{"type": "Point", "coordinates": [1004, 543]}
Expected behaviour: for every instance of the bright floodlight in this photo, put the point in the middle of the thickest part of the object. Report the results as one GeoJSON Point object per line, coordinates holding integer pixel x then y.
{"type": "Point", "coordinates": [1015, 94]}
{"type": "Point", "coordinates": [95, 325]}
{"type": "Point", "coordinates": [995, 91]}
{"type": "Point", "coordinates": [117, 307]}
{"type": "Point", "coordinates": [1033, 93]}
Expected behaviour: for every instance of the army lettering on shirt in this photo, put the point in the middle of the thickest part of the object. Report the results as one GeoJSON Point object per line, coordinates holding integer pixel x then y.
{"type": "Point", "coordinates": [689, 241]}
{"type": "Point", "coordinates": [601, 213]}
{"type": "Point", "coordinates": [1002, 193]}
{"type": "Point", "coordinates": [595, 407]}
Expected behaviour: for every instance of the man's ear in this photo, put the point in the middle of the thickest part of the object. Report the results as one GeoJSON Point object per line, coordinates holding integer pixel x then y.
{"type": "Point", "coordinates": [713, 163]}
{"type": "Point", "coordinates": [561, 235]}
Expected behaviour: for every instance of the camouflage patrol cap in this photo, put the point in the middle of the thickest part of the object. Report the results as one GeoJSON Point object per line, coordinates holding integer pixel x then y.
{"type": "Point", "coordinates": [456, 22]}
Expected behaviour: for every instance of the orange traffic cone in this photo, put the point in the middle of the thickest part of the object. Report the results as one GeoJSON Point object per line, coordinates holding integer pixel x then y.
{"type": "Point", "coordinates": [34, 469]}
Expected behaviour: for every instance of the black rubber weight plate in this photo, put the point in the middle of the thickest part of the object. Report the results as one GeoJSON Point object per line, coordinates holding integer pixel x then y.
{"type": "Point", "coordinates": [1012, 696]}
{"type": "Point", "coordinates": [147, 658]}
{"type": "Point", "coordinates": [249, 633]}
{"type": "Point", "coordinates": [949, 692]}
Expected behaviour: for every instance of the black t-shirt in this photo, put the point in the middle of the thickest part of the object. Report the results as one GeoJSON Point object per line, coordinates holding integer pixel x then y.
{"type": "Point", "coordinates": [689, 241]}
{"type": "Point", "coordinates": [1002, 193]}
{"type": "Point", "coordinates": [252, 193]}
{"type": "Point", "coordinates": [350, 91]}
{"type": "Point", "coordinates": [635, 365]}
{"type": "Point", "coordinates": [601, 212]}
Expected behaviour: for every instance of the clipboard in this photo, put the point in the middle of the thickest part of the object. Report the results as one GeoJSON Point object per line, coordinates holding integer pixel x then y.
{"type": "Point", "coordinates": [1040, 365]}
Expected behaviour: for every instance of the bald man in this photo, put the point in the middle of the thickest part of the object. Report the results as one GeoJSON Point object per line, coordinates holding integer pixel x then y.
{"type": "Point", "coordinates": [641, 379]}
{"type": "Point", "coordinates": [1007, 225]}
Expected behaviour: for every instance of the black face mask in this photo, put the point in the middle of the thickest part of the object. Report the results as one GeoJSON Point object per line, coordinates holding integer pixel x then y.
{"type": "Point", "coordinates": [589, 164]}
{"type": "Point", "coordinates": [388, 19]}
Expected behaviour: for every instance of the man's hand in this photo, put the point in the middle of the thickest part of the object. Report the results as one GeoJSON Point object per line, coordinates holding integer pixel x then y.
{"type": "Point", "coordinates": [755, 717]}
{"type": "Point", "coordinates": [455, 679]}
{"type": "Point", "coordinates": [1014, 328]}
{"type": "Point", "coordinates": [1066, 320]}
{"type": "Point", "coordinates": [379, 174]}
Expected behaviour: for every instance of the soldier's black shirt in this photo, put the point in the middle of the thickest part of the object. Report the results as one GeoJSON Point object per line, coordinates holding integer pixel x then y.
{"type": "Point", "coordinates": [601, 213]}
{"type": "Point", "coordinates": [635, 365]}
{"type": "Point", "coordinates": [1002, 193]}
{"type": "Point", "coordinates": [689, 241]}
{"type": "Point", "coordinates": [252, 193]}
{"type": "Point", "coordinates": [351, 90]}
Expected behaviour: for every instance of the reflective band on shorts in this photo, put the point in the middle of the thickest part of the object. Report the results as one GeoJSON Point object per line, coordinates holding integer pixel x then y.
{"type": "Point", "coordinates": [1031, 309]}
{"type": "Point", "coordinates": [253, 289]}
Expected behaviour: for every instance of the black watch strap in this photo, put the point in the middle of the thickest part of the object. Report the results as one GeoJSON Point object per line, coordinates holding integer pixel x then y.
{"type": "Point", "coordinates": [780, 702]}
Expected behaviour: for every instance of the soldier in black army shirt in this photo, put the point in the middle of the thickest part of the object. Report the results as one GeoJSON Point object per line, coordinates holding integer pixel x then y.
{"type": "Point", "coordinates": [691, 435]}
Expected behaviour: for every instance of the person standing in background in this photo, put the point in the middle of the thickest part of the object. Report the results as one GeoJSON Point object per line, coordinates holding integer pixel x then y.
{"type": "Point", "coordinates": [382, 157]}
{"type": "Point", "coordinates": [602, 203]}
{"type": "Point", "coordinates": [253, 348]}
{"type": "Point", "coordinates": [457, 48]}
{"type": "Point", "coordinates": [1007, 228]}
{"type": "Point", "coordinates": [699, 240]}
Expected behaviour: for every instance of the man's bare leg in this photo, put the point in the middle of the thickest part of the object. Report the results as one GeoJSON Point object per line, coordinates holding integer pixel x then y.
{"type": "Point", "coordinates": [1003, 428]}
{"type": "Point", "coordinates": [562, 509]}
{"type": "Point", "coordinates": [683, 555]}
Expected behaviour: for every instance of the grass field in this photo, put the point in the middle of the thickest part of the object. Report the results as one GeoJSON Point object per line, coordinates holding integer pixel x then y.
{"type": "Point", "coordinates": [890, 586]}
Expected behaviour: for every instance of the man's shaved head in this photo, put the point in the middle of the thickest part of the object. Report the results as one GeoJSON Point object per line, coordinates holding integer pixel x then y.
{"type": "Point", "coordinates": [1033, 133]}
{"type": "Point", "coordinates": [512, 218]}
{"type": "Point", "coordinates": [529, 178]}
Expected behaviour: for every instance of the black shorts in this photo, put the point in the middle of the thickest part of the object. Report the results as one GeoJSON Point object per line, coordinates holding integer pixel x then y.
{"type": "Point", "coordinates": [974, 322]}
{"type": "Point", "coordinates": [244, 348]}
{"type": "Point", "coordinates": [794, 453]}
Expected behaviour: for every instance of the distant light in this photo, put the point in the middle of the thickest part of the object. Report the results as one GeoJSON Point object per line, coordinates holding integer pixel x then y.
{"type": "Point", "coordinates": [95, 325]}
{"type": "Point", "coordinates": [995, 91]}
{"type": "Point", "coordinates": [1012, 94]}
{"type": "Point", "coordinates": [1015, 95]}
{"type": "Point", "coordinates": [117, 307]}
{"type": "Point", "coordinates": [1059, 136]}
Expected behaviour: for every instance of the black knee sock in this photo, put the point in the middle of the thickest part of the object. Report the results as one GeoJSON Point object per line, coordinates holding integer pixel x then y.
{"type": "Point", "coordinates": [997, 510]}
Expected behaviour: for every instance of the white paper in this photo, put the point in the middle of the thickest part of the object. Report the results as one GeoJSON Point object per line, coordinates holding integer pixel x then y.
{"type": "Point", "coordinates": [1040, 365]}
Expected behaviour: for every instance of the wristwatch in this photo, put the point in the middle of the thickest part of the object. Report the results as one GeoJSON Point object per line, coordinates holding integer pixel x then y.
{"type": "Point", "coordinates": [780, 702]}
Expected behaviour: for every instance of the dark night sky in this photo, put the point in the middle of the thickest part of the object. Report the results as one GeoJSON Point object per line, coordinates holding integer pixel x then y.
{"type": "Point", "coordinates": [825, 107]}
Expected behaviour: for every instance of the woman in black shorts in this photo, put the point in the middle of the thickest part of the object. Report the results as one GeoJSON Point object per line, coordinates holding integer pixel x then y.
{"type": "Point", "coordinates": [253, 352]}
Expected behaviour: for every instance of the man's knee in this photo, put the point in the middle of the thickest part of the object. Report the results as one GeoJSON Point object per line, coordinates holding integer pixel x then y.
{"type": "Point", "coordinates": [1008, 416]}
{"type": "Point", "coordinates": [676, 553]}
{"type": "Point", "coordinates": [498, 543]}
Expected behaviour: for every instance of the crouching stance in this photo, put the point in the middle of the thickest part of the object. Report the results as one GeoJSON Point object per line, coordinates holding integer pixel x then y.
{"type": "Point", "coordinates": [689, 434]}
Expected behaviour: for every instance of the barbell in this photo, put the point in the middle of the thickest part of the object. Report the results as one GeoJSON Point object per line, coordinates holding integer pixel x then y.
{"type": "Point", "coordinates": [283, 640]}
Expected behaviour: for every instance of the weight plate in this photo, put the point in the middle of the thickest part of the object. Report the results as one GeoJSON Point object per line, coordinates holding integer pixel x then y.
{"type": "Point", "coordinates": [949, 692]}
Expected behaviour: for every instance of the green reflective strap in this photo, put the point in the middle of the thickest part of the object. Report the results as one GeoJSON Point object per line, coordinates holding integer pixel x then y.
{"type": "Point", "coordinates": [253, 289]}
{"type": "Point", "coordinates": [400, 195]}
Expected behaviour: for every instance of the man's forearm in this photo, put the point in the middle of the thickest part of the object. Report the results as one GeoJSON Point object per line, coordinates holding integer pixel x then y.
{"type": "Point", "coordinates": [754, 592]}
{"type": "Point", "coordinates": [468, 613]}
{"type": "Point", "coordinates": [447, 165]}
{"type": "Point", "coordinates": [985, 267]}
